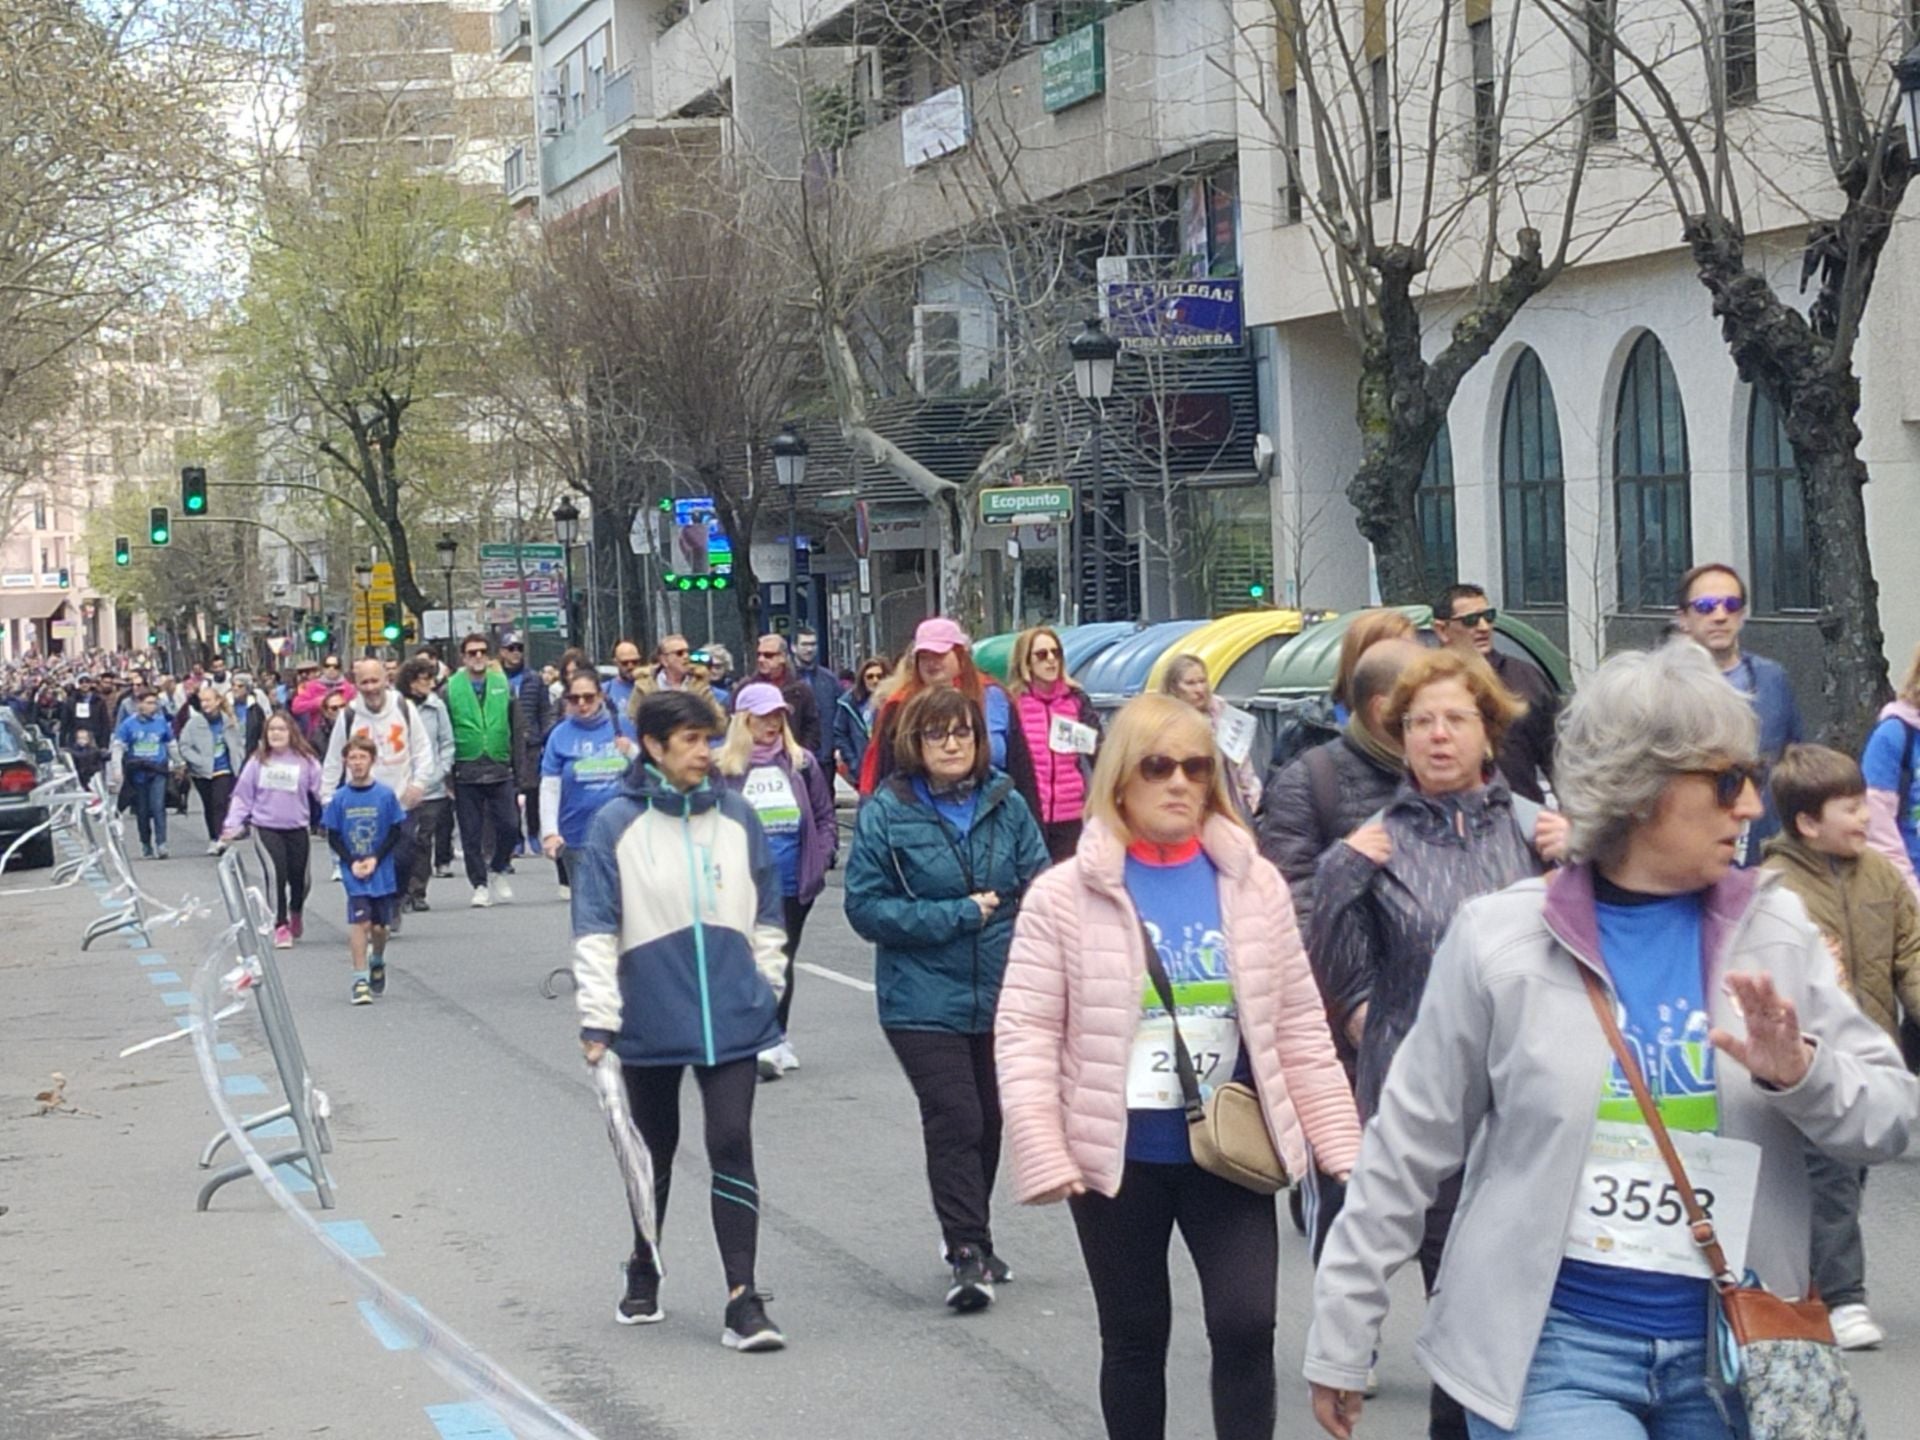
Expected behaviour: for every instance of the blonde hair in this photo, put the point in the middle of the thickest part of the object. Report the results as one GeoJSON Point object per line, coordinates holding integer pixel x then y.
{"type": "Point", "coordinates": [1178, 669]}
{"type": "Point", "coordinates": [1498, 706]}
{"type": "Point", "coordinates": [1910, 687]}
{"type": "Point", "coordinates": [1144, 725]}
{"type": "Point", "coordinates": [1020, 664]}
{"type": "Point", "coordinates": [736, 754]}
{"type": "Point", "coordinates": [1367, 630]}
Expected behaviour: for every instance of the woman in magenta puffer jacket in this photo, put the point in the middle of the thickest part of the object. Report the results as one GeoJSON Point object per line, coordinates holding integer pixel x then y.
{"type": "Point", "coordinates": [1092, 1116]}
{"type": "Point", "coordinates": [1045, 697]}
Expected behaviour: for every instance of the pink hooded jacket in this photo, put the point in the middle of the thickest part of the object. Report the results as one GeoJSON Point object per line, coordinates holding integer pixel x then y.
{"type": "Point", "coordinates": [1883, 807]}
{"type": "Point", "coordinates": [1071, 1002]}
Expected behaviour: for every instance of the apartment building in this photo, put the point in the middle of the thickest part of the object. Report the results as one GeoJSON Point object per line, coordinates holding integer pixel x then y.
{"type": "Point", "coordinates": [1607, 442]}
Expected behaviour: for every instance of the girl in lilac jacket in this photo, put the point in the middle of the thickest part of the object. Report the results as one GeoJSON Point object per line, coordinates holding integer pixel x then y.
{"type": "Point", "coordinates": [278, 794]}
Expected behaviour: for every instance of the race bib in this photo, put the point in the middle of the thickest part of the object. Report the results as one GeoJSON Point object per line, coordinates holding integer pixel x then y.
{"type": "Point", "coordinates": [599, 769]}
{"type": "Point", "coordinates": [1629, 1213]}
{"type": "Point", "coordinates": [1153, 1079]}
{"type": "Point", "coordinates": [1234, 731]}
{"type": "Point", "coordinates": [769, 789]}
{"type": "Point", "coordinates": [282, 777]}
{"type": "Point", "coordinates": [146, 747]}
{"type": "Point", "coordinates": [1070, 737]}
{"type": "Point", "coordinates": [83, 709]}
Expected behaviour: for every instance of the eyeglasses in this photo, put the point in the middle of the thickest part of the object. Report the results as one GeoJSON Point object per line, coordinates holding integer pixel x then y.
{"type": "Point", "coordinates": [1730, 782]}
{"type": "Point", "coordinates": [768, 654]}
{"type": "Point", "coordinates": [583, 697]}
{"type": "Point", "coordinates": [476, 650]}
{"type": "Point", "coordinates": [680, 650]}
{"type": "Point", "coordinates": [1473, 619]}
{"type": "Point", "coordinates": [1452, 721]}
{"type": "Point", "coordinates": [1707, 604]}
{"type": "Point", "coordinates": [931, 736]}
{"type": "Point", "coordinates": [332, 665]}
{"type": "Point", "coordinates": [1050, 653]}
{"type": "Point", "coordinates": [1158, 769]}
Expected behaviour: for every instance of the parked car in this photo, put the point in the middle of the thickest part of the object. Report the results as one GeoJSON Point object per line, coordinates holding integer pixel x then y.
{"type": "Point", "coordinates": [26, 762]}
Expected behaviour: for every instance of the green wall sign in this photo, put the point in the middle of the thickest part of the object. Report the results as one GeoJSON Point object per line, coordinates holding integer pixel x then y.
{"type": "Point", "coordinates": [1074, 67]}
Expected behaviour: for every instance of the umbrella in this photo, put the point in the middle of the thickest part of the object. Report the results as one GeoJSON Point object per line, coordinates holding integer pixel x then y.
{"type": "Point", "coordinates": [636, 1165]}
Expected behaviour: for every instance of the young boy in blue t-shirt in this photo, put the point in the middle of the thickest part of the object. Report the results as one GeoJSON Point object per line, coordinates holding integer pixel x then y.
{"type": "Point", "coordinates": [362, 822]}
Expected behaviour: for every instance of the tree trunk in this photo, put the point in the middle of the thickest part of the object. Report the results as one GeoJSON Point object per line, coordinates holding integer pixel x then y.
{"type": "Point", "coordinates": [1397, 429]}
{"type": "Point", "coordinates": [1854, 672]}
{"type": "Point", "coordinates": [960, 597]}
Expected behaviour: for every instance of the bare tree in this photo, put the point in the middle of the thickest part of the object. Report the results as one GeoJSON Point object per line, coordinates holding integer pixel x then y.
{"type": "Point", "coordinates": [1424, 210]}
{"type": "Point", "coordinates": [1829, 150]}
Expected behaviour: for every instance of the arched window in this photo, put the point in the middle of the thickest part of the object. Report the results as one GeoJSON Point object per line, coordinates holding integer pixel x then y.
{"type": "Point", "coordinates": [1651, 490]}
{"type": "Point", "coordinates": [1533, 522]}
{"type": "Point", "coordinates": [1433, 504]}
{"type": "Point", "coordinates": [1776, 513]}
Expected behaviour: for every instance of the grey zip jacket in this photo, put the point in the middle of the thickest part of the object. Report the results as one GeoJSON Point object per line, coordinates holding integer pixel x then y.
{"type": "Point", "coordinates": [1502, 1073]}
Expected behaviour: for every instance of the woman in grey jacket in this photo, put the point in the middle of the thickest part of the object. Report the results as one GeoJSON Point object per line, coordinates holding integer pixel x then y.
{"type": "Point", "coordinates": [1571, 1301]}
{"type": "Point", "coordinates": [210, 741]}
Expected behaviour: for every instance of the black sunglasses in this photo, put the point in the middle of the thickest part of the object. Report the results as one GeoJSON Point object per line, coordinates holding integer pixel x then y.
{"type": "Point", "coordinates": [476, 650]}
{"type": "Point", "coordinates": [1158, 769]}
{"type": "Point", "coordinates": [1707, 604]}
{"type": "Point", "coordinates": [1731, 781]}
{"type": "Point", "coordinates": [583, 697]}
{"type": "Point", "coordinates": [1473, 618]}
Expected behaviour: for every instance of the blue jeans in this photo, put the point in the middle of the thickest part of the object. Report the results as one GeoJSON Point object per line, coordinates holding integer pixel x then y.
{"type": "Point", "coordinates": [1592, 1384]}
{"type": "Point", "coordinates": [149, 789]}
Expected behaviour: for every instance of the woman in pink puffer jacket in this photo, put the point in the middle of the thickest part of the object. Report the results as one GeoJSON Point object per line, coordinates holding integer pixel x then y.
{"type": "Point", "coordinates": [1093, 1115]}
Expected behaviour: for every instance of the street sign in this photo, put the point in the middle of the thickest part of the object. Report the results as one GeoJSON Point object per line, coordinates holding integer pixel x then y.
{"type": "Point", "coordinates": [540, 571]}
{"type": "Point", "coordinates": [1073, 68]}
{"type": "Point", "coordinates": [383, 591]}
{"type": "Point", "coordinates": [1026, 504]}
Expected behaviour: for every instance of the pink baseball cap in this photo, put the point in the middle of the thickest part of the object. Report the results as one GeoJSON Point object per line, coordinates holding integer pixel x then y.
{"type": "Point", "coordinates": [939, 635]}
{"type": "Point", "coordinates": [759, 699]}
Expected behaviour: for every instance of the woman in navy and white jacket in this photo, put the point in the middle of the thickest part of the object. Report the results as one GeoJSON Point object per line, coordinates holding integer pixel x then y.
{"type": "Point", "coordinates": [679, 959]}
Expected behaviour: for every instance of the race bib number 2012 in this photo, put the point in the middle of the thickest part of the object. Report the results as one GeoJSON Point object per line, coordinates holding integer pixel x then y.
{"type": "Point", "coordinates": [1630, 1213]}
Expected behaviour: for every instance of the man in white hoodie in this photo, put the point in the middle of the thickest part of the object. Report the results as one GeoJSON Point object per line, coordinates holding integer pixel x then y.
{"type": "Point", "coordinates": [404, 753]}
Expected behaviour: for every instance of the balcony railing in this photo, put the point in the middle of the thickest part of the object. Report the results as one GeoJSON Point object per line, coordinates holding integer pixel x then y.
{"type": "Point", "coordinates": [513, 31]}
{"type": "Point", "coordinates": [623, 107]}
{"type": "Point", "coordinates": [517, 179]}
{"type": "Point", "coordinates": [564, 158]}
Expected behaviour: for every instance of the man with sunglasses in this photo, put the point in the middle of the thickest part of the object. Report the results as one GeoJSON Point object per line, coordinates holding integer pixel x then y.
{"type": "Point", "coordinates": [1711, 611]}
{"type": "Point", "coordinates": [803, 709]}
{"type": "Point", "coordinates": [1463, 619]}
{"type": "Point", "coordinates": [626, 661]}
{"type": "Point", "coordinates": [486, 737]}
{"type": "Point", "coordinates": [672, 670]}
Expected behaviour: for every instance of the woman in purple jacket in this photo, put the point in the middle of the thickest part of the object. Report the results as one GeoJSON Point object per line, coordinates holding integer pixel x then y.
{"type": "Point", "coordinates": [278, 792]}
{"type": "Point", "coordinates": [793, 798]}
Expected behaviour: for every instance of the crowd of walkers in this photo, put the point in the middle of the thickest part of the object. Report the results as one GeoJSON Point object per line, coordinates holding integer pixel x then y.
{"type": "Point", "coordinates": [1501, 982]}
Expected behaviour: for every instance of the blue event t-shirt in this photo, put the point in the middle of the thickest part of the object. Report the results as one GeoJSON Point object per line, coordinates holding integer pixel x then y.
{"type": "Point", "coordinates": [588, 761]}
{"type": "Point", "coordinates": [1881, 762]}
{"type": "Point", "coordinates": [1180, 903]}
{"type": "Point", "coordinates": [776, 794]}
{"type": "Point", "coordinates": [361, 815]}
{"type": "Point", "coordinates": [146, 738]}
{"type": "Point", "coordinates": [1653, 949]}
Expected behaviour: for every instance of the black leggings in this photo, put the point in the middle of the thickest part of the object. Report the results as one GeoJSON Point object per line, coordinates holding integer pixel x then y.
{"type": "Point", "coordinates": [1233, 1238]}
{"type": "Point", "coordinates": [795, 914]}
{"type": "Point", "coordinates": [287, 851]}
{"type": "Point", "coordinates": [726, 1095]}
{"type": "Point", "coordinates": [953, 1078]}
{"type": "Point", "coordinates": [215, 792]}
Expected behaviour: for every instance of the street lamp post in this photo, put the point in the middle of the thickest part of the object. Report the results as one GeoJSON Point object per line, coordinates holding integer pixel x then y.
{"type": "Point", "coordinates": [1906, 74]}
{"type": "Point", "coordinates": [363, 577]}
{"type": "Point", "coordinates": [1094, 353]}
{"type": "Point", "coordinates": [566, 529]}
{"type": "Point", "coordinates": [448, 549]}
{"type": "Point", "coordinates": [790, 469]}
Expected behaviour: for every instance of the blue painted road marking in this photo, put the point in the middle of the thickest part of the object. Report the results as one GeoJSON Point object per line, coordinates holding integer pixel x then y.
{"type": "Point", "coordinates": [163, 977]}
{"type": "Point", "coordinates": [226, 1052]}
{"type": "Point", "coordinates": [277, 1129]}
{"type": "Point", "coordinates": [243, 1085]}
{"type": "Point", "coordinates": [384, 1330]}
{"type": "Point", "coordinates": [354, 1237]}
{"type": "Point", "coordinates": [152, 957]}
{"type": "Point", "coordinates": [178, 999]}
{"type": "Point", "coordinates": [467, 1421]}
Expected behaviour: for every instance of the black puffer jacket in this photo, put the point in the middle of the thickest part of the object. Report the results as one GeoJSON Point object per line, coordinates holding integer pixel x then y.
{"type": "Point", "coordinates": [1375, 928]}
{"type": "Point", "coordinates": [1324, 794]}
{"type": "Point", "coordinates": [533, 706]}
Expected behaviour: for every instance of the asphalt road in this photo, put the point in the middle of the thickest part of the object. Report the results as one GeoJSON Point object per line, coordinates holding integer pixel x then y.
{"type": "Point", "coordinates": [470, 1148]}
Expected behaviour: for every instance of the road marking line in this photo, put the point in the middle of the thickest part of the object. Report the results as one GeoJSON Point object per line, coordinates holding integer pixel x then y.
{"type": "Point", "coordinates": [152, 957]}
{"type": "Point", "coordinates": [352, 1236]}
{"type": "Point", "coordinates": [467, 1421]}
{"type": "Point", "coordinates": [384, 1330]}
{"type": "Point", "coordinates": [163, 977]}
{"type": "Point", "coordinates": [275, 1129]}
{"type": "Point", "coordinates": [834, 975]}
{"type": "Point", "coordinates": [177, 999]}
{"type": "Point", "coordinates": [243, 1085]}
{"type": "Point", "coordinates": [226, 1051]}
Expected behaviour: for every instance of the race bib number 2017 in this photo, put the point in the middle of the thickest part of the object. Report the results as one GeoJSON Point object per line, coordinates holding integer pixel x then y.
{"type": "Point", "coordinates": [1630, 1213]}
{"type": "Point", "coordinates": [1153, 1078]}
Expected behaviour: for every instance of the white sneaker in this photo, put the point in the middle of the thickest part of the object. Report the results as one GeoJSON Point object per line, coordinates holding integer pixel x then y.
{"type": "Point", "coordinates": [788, 1060]}
{"type": "Point", "coordinates": [1854, 1328]}
{"type": "Point", "coordinates": [481, 898]}
{"type": "Point", "coordinates": [335, 876]}
{"type": "Point", "coordinates": [566, 892]}
{"type": "Point", "coordinates": [214, 847]}
{"type": "Point", "coordinates": [502, 890]}
{"type": "Point", "coordinates": [769, 1064]}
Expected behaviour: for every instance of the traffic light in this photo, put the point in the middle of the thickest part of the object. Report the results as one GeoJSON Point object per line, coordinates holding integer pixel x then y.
{"type": "Point", "coordinates": [159, 532]}
{"type": "Point", "coordinates": [390, 621]}
{"type": "Point", "coordinates": [223, 636]}
{"type": "Point", "coordinates": [66, 577]}
{"type": "Point", "coordinates": [317, 633]}
{"type": "Point", "coordinates": [193, 490]}
{"type": "Point", "coordinates": [1257, 591]}
{"type": "Point", "coordinates": [123, 549]}
{"type": "Point", "coordinates": [153, 637]}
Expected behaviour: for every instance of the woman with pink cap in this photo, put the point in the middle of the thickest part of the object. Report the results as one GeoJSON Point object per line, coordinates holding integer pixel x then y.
{"type": "Point", "coordinates": [765, 762]}
{"type": "Point", "coordinates": [942, 659]}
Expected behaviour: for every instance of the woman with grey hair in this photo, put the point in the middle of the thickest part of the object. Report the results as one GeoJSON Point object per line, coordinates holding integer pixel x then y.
{"type": "Point", "coordinates": [1550, 1328]}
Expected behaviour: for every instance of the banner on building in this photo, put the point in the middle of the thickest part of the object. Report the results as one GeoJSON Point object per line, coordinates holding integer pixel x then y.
{"type": "Point", "coordinates": [1175, 314]}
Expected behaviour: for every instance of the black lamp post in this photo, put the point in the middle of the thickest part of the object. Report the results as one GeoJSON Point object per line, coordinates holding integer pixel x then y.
{"type": "Point", "coordinates": [363, 577]}
{"type": "Point", "coordinates": [1906, 74]}
{"type": "Point", "coordinates": [566, 529]}
{"type": "Point", "coordinates": [448, 550]}
{"type": "Point", "coordinates": [790, 469]}
{"type": "Point", "coordinates": [1094, 353]}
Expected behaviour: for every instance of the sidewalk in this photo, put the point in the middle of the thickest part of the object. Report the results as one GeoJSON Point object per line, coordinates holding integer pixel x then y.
{"type": "Point", "coordinates": [123, 1312]}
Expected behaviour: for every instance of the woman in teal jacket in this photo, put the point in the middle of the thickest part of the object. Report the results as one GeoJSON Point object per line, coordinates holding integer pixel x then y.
{"type": "Point", "coordinates": [941, 856]}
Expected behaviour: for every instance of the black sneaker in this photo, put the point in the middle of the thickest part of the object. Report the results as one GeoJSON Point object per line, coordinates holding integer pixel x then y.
{"type": "Point", "coordinates": [393, 925]}
{"type": "Point", "coordinates": [421, 904]}
{"type": "Point", "coordinates": [971, 1289]}
{"type": "Point", "coordinates": [748, 1326]}
{"type": "Point", "coordinates": [641, 1304]}
{"type": "Point", "coordinates": [377, 974]}
{"type": "Point", "coordinates": [998, 1271]}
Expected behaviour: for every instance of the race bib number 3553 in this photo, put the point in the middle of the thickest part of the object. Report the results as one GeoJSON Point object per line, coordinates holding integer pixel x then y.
{"type": "Point", "coordinates": [1630, 1213]}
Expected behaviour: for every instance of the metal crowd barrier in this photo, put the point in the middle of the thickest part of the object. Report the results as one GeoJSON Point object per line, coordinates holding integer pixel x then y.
{"type": "Point", "coordinates": [107, 832]}
{"type": "Point", "coordinates": [306, 1104]}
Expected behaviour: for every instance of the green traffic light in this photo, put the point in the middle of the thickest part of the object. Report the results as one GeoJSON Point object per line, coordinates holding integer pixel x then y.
{"type": "Point", "coordinates": [317, 635]}
{"type": "Point", "coordinates": [1257, 591]}
{"type": "Point", "coordinates": [719, 582]}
